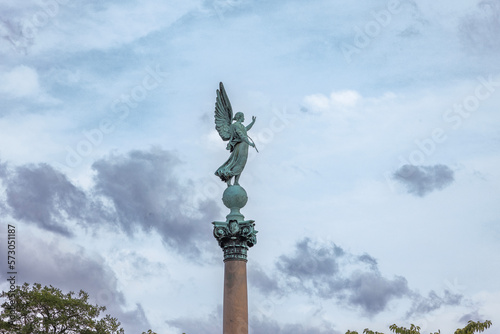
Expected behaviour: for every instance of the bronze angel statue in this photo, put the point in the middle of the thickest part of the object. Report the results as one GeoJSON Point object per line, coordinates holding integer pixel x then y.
{"type": "Point", "coordinates": [236, 134]}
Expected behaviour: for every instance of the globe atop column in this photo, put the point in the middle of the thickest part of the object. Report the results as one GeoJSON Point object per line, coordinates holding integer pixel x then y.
{"type": "Point", "coordinates": [234, 198]}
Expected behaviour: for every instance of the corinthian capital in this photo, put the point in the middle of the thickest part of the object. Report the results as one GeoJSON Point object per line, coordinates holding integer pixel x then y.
{"type": "Point", "coordinates": [235, 238]}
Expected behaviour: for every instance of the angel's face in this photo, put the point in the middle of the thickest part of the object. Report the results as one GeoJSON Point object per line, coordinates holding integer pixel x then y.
{"type": "Point", "coordinates": [240, 117]}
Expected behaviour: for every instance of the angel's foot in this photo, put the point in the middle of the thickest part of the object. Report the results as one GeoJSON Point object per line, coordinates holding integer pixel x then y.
{"type": "Point", "coordinates": [228, 183]}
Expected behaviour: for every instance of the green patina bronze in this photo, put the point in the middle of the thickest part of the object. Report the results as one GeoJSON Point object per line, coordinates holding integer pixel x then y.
{"type": "Point", "coordinates": [236, 134]}
{"type": "Point", "coordinates": [235, 238]}
{"type": "Point", "coordinates": [235, 235]}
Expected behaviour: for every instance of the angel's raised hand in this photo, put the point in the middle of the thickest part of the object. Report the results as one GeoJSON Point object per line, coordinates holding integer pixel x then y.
{"type": "Point", "coordinates": [254, 118]}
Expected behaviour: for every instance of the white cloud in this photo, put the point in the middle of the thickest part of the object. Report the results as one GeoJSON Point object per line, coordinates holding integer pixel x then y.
{"type": "Point", "coordinates": [337, 99]}
{"type": "Point", "coordinates": [317, 102]}
{"type": "Point", "coordinates": [21, 81]}
{"type": "Point", "coordinates": [347, 98]}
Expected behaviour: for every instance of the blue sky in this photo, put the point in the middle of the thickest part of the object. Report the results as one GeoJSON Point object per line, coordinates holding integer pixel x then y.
{"type": "Point", "coordinates": [375, 189]}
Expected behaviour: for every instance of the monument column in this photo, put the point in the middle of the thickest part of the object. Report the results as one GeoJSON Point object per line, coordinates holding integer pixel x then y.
{"type": "Point", "coordinates": [235, 236]}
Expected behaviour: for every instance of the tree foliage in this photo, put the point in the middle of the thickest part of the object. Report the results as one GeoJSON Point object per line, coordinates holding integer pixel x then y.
{"type": "Point", "coordinates": [412, 330]}
{"type": "Point", "coordinates": [472, 327]}
{"type": "Point", "coordinates": [44, 310]}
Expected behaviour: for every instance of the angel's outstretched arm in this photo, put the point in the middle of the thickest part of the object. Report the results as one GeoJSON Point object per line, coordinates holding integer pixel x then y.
{"type": "Point", "coordinates": [249, 126]}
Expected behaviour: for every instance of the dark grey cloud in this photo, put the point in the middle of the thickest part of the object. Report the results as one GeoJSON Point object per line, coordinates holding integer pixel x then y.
{"type": "Point", "coordinates": [371, 261]}
{"type": "Point", "coordinates": [51, 264]}
{"type": "Point", "coordinates": [147, 194]}
{"type": "Point", "coordinates": [423, 305]}
{"type": "Point", "coordinates": [478, 30]}
{"type": "Point", "coordinates": [143, 191]}
{"type": "Point", "coordinates": [421, 180]}
{"type": "Point", "coordinates": [308, 262]}
{"type": "Point", "coordinates": [474, 316]}
{"type": "Point", "coordinates": [41, 195]}
{"type": "Point", "coordinates": [373, 292]}
{"type": "Point", "coordinates": [327, 271]}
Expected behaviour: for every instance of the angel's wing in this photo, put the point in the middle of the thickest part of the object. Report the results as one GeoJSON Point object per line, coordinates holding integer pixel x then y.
{"type": "Point", "coordinates": [223, 113]}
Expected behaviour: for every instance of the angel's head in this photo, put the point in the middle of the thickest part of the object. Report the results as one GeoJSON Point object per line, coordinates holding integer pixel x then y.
{"type": "Point", "coordinates": [239, 116]}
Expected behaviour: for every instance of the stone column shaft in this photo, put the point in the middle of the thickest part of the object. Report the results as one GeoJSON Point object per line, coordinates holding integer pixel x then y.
{"type": "Point", "coordinates": [235, 309]}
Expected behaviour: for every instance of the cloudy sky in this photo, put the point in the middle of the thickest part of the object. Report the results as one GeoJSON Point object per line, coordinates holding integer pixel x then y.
{"type": "Point", "coordinates": [375, 190]}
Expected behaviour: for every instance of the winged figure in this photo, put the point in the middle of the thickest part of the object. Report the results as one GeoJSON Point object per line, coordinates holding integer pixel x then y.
{"type": "Point", "coordinates": [236, 135]}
